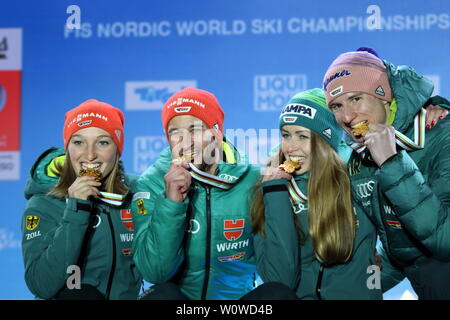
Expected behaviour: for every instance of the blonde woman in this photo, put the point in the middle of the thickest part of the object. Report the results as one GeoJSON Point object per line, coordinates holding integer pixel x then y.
{"type": "Point", "coordinates": [309, 236]}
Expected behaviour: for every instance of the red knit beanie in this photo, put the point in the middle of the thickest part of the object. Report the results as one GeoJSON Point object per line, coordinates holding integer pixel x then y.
{"type": "Point", "coordinates": [198, 103]}
{"type": "Point", "coordinates": [357, 71]}
{"type": "Point", "coordinates": [93, 113]}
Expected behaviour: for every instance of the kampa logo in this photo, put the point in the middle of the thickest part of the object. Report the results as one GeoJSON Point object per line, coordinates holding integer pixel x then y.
{"type": "Point", "coordinates": [182, 109]}
{"type": "Point", "coordinates": [271, 92]}
{"type": "Point", "coordinates": [300, 109]}
{"type": "Point", "coordinates": [364, 190]}
{"type": "Point", "coordinates": [230, 225]}
{"type": "Point", "coordinates": [127, 219]}
{"type": "Point", "coordinates": [151, 95]}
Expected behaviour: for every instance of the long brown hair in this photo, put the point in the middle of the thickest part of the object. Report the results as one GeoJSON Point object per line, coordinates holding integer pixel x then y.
{"type": "Point", "coordinates": [114, 182]}
{"type": "Point", "coordinates": [331, 221]}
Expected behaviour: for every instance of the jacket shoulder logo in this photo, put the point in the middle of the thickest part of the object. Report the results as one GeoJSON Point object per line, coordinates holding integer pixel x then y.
{"type": "Point", "coordinates": [32, 222]}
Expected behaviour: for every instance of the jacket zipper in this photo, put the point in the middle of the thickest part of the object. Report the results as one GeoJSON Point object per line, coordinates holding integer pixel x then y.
{"type": "Point", "coordinates": [208, 242]}
{"type": "Point", "coordinates": [113, 265]}
{"type": "Point", "coordinates": [319, 283]}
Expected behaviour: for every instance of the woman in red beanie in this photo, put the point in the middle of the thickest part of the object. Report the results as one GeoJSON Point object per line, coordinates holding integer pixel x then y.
{"type": "Point", "coordinates": [77, 227]}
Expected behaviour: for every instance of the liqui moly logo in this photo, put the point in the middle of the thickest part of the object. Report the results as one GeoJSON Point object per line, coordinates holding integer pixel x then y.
{"type": "Point", "coordinates": [271, 92]}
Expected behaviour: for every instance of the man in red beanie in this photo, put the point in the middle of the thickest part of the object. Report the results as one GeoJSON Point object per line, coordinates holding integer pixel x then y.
{"type": "Point", "coordinates": [192, 209]}
{"type": "Point", "coordinates": [400, 170]}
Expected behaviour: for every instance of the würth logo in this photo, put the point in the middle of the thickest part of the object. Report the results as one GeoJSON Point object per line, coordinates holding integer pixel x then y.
{"type": "Point", "coordinates": [233, 229]}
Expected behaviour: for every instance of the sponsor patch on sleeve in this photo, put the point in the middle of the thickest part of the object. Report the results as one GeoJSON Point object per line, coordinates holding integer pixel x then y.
{"type": "Point", "coordinates": [141, 195]}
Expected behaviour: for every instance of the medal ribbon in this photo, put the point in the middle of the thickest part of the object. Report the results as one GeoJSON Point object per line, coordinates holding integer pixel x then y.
{"type": "Point", "coordinates": [402, 140]}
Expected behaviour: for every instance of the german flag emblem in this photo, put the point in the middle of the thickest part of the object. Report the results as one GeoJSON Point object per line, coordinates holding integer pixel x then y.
{"type": "Point", "coordinates": [32, 222]}
{"type": "Point", "coordinates": [126, 252]}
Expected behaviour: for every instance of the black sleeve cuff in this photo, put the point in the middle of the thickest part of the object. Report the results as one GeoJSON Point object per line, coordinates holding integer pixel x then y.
{"type": "Point", "coordinates": [80, 205]}
{"type": "Point", "coordinates": [274, 188]}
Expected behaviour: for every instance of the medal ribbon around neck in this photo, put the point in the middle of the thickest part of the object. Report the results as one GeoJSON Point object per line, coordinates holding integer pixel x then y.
{"type": "Point", "coordinates": [295, 193]}
{"type": "Point", "coordinates": [209, 179]}
{"type": "Point", "coordinates": [402, 140]}
{"type": "Point", "coordinates": [111, 198]}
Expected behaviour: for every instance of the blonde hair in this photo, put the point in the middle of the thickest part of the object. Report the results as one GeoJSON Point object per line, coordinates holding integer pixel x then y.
{"type": "Point", "coordinates": [331, 221]}
{"type": "Point", "coordinates": [114, 182]}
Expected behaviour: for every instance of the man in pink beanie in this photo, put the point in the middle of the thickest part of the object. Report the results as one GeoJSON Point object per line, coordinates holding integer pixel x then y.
{"type": "Point", "coordinates": [400, 170]}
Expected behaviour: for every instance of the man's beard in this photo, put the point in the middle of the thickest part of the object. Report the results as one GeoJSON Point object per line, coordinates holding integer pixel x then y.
{"type": "Point", "coordinates": [204, 166]}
